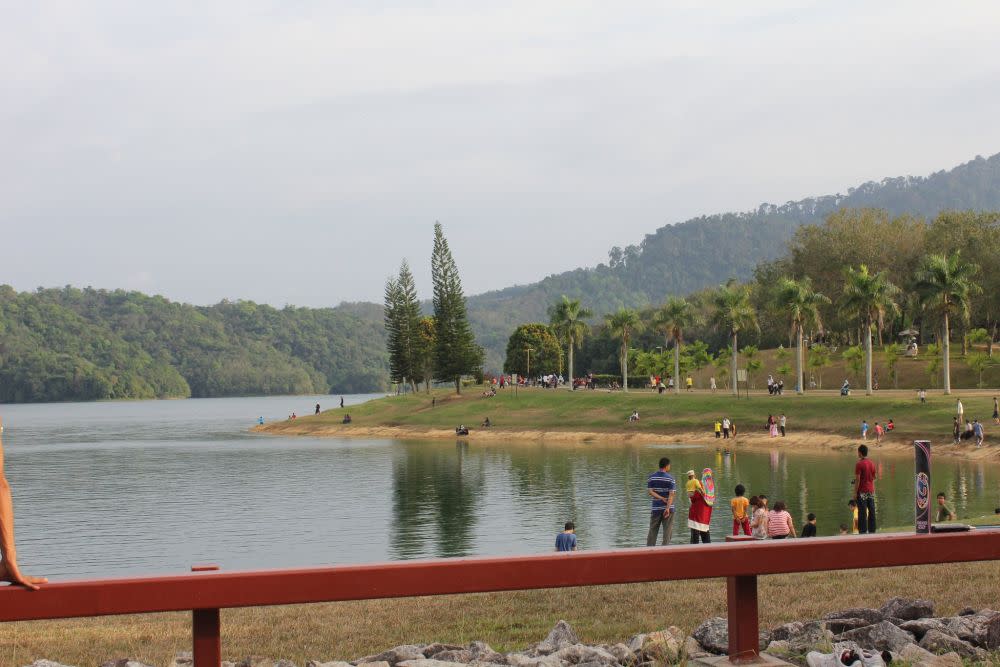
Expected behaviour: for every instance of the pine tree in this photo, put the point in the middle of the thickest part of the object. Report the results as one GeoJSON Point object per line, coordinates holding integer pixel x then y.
{"type": "Point", "coordinates": [408, 317]}
{"type": "Point", "coordinates": [455, 350]}
{"type": "Point", "coordinates": [394, 344]}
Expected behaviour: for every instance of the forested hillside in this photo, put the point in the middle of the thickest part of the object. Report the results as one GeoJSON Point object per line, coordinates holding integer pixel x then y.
{"type": "Point", "coordinates": [72, 344]}
{"type": "Point", "coordinates": [701, 252]}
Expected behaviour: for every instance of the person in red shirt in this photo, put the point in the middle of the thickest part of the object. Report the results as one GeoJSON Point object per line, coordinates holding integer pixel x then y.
{"type": "Point", "coordinates": [864, 491]}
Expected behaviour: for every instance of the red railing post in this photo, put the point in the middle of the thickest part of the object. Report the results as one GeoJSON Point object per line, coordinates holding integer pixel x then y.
{"type": "Point", "coordinates": [744, 639]}
{"type": "Point", "coordinates": [207, 642]}
{"type": "Point", "coordinates": [205, 631]}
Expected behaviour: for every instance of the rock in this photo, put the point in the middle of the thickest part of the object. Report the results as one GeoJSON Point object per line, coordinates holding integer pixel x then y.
{"type": "Point", "coordinates": [430, 662]}
{"type": "Point", "coordinates": [396, 655]}
{"type": "Point", "coordinates": [871, 615]}
{"type": "Point", "coordinates": [561, 636]}
{"type": "Point", "coordinates": [581, 653]}
{"type": "Point", "coordinates": [939, 642]}
{"type": "Point", "coordinates": [184, 659]}
{"type": "Point", "coordinates": [713, 635]}
{"type": "Point", "coordinates": [663, 647]}
{"type": "Point", "coordinates": [523, 660]}
{"type": "Point", "coordinates": [635, 642]}
{"type": "Point", "coordinates": [839, 625]}
{"type": "Point", "coordinates": [46, 663]}
{"type": "Point", "coordinates": [908, 610]}
{"type": "Point", "coordinates": [966, 611]}
{"type": "Point", "coordinates": [916, 656]}
{"type": "Point", "coordinates": [920, 627]}
{"type": "Point", "coordinates": [623, 654]}
{"type": "Point", "coordinates": [787, 631]}
{"type": "Point", "coordinates": [882, 636]}
{"type": "Point", "coordinates": [285, 663]}
{"type": "Point", "coordinates": [692, 649]}
{"type": "Point", "coordinates": [381, 663]}
{"type": "Point", "coordinates": [437, 647]}
{"type": "Point", "coordinates": [812, 635]}
{"type": "Point", "coordinates": [483, 652]}
{"type": "Point", "coordinates": [778, 647]}
{"type": "Point", "coordinates": [332, 663]}
{"type": "Point", "coordinates": [125, 662]}
{"type": "Point", "coordinates": [461, 655]}
{"type": "Point", "coordinates": [982, 629]}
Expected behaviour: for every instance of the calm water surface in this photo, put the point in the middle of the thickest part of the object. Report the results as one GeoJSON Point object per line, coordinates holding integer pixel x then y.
{"type": "Point", "coordinates": [103, 489]}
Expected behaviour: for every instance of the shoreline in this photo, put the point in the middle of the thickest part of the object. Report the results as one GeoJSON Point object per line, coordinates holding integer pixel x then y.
{"type": "Point", "coordinates": [799, 440]}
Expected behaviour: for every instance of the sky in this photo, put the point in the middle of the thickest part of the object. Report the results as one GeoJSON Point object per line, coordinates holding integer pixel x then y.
{"type": "Point", "coordinates": [294, 152]}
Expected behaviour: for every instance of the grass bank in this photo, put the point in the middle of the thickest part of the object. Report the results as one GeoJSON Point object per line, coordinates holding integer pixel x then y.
{"type": "Point", "coordinates": [817, 419]}
{"type": "Point", "coordinates": [508, 621]}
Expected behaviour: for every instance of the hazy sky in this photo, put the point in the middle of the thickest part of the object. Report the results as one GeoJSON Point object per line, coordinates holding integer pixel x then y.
{"type": "Point", "coordinates": [295, 151]}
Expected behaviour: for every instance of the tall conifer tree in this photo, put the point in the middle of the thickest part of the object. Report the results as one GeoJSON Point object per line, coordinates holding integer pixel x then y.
{"type": "Point", "coordinates": [393, 342]}
{"type": "Point", "coordinates": [409, 324]}
{"type": "Point", "coordinates": [455, 350]}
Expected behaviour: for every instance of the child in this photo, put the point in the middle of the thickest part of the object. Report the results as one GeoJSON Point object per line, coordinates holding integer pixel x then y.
{"type": "Point", "coordinates": [853, 504]}
{"type": "Point", "coordinates": [879, 432]}
{"type": "Point", "coordinates": [809, 530]}
{"type": "Point", "coordinates": [890, 425]}
{"type": "Point", "coordinates": [740, 505]}
{"type": "Point", "coordinates": [843, 529]}
{"type": "Point", "coordinates": [864, 429]}
{"type": "Point", "coordinates": [566, 540]}
{"type": "Point", "coordinates": [718, 429]}
{"type": "Point", "coordinates": [759, 523]}
{"type": "Point", "coordinates": [945, 513]}
{"type": "Point", "coordinates": [693, 484]}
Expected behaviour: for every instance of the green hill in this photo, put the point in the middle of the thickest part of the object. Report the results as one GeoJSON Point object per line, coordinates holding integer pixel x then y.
{"type": "Point", "coordinates": [706, 251]}
{"type": "Point", "coordinates": [72, 344]}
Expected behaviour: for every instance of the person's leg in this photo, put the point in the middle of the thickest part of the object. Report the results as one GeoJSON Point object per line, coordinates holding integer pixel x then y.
{"type": "Point", "coordinates": [706, 537]}
{"type": "Point", "coordinates": [736, 526]}
{"type": "Point", "coordinates": [871, 513]}
{"type": "Point", "coordinates": [9, 570]}
{"type": "Point", "coordinates": [654, 528]}
{"type": "Point", "coordinates": [746, 526]}
{"type": "Point", "coordinates": [694, 536]}
{"type": "Point", "coordinates": [862, 515]}
{"type": "Point", "coordinates": [668, 528]}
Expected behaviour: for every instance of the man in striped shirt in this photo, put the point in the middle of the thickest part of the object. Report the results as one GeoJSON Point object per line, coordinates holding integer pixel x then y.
{"type": "Point", "coordinates": [662, 488]}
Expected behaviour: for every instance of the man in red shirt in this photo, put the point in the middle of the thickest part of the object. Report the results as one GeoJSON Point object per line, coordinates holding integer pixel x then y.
{"type": "Point", "coordinates": [864, 491]}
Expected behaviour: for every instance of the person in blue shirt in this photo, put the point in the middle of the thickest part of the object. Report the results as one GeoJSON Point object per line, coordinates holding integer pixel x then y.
{"type": "Point", "coordinates": [566, 540]}
{"type": "Point", "coordinates": [662, 488]}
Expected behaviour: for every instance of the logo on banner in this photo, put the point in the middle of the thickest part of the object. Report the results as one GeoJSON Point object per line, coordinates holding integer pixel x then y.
{"type": "Point", "coordinates": [923, 490]}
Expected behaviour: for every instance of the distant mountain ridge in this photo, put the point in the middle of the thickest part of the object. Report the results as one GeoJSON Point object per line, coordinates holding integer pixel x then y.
{"type": "Point", "coordinates": [708, 250]}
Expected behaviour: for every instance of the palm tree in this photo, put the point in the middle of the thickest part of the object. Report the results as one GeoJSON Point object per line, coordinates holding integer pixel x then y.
{"type": "Point", "coordinates": [733, 313]}
{"type": "Point", "coordinates": [567, 319]}
{"type": "Point", "coordinates": [801, 303]}
{"type": "Point", "coordinates": [945, 284]}
{"type": "Point", "coordinates": [869, 297]}
{"type": "Point", "coordinates": [676, 315]}
{"type": "Point", "coordinates": [623, 324]}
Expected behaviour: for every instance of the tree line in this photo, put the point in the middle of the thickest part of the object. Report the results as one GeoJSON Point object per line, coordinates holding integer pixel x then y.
{"type": "Point", "coordinates": [439, 348]}
{"type": "Point", "coordinates": [89, 344]}
{"type": "Point", "coordinates": [856, 281]}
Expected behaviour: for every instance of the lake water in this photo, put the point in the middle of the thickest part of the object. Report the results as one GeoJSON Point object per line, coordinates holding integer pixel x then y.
{"type": "Point", "coordinates": [105, 489]}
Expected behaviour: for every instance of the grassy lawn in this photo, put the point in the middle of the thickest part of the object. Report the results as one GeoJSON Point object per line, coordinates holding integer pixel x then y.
{"type": "Point", "coordinates": [602, 411]}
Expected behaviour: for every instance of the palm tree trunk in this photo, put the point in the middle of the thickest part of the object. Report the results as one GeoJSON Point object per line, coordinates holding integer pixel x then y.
{"type": "Point", "coordinates": [946, 349]}
{"type": "Point", "coordinates": [868, 358]}
{"type": "Point", "coordinates": [624, 366]}
{"type": "Point", "coordinates": [677, 366]}
{"type": "Point", "coordinates": [799, 389]}
{"type": "Point", "coordinates": [733, 367]}
{"type": "Point", "coordinates": [570, 369]}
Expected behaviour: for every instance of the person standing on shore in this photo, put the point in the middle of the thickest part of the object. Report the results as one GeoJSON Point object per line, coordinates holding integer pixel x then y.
{"type": "Point", "coordinates": [740, 504]}
{"type": "Point", "coordinates": [956, 430]}
{"type": "Point", "coordinates": [781, 424]}
{"type": "Point", "coordinates": [725, 428]}
{"type": "Point", "coordinates": [864, 491]}
{"type": "Point", "coordinates": [959, 409]}
{"type": "Point", "coordinates": [663, 489]}
{"type": "Point", "coordinates": [864, 429]}
{"type": "Point", "coordinates": [9, 571]}
{"type": "Point", "coordinates": [700, 512]}
{"type": "Point", "coordinates": [996, 411]}
{"type": "Point", "coordinates": [341, 402]}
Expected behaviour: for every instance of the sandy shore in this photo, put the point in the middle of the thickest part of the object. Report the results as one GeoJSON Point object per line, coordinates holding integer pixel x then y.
{"type": "Point", "coordinates": [798, 440]}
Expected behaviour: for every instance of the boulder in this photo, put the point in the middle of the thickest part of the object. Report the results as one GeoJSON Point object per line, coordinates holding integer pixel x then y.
{"type": "Point", "coordinates": [812, 635]}
{"type": "Point", "coordinates": [871, 615]}
{"type": "Point", "coordinates": [483, 652]}
{"type": "Point", "coordinates": [882, 636]}
{"type": "Point", "coordinates": [787, 631]}
{"type": "Point", "coordinates": [524, 660]}
{"type": "Point", "coordinates": [779, 647]}
{"type": "Point", "coordinates": [839, 625]}
{"type": "Point", "coordinates": [437, 647]}
{"type": "Point", "coordinates": [664, 646]}
{"type": "Point", "coordinates": [907, 609]}
{"type": "Point", "coordinates": [982, 629]}
{"type": "Point", "coordinates": [938, 642]}
{"type": "Point", "coordinates": [561, 636]}
{"type": "Point", "coordinates": [920, 627]}
{"type": "Point", "coordinates": [395, 655]}
{"type": "Point", "coordinates": [332, 663]}
{"type": "Point", "coordinates": [381, 663]}
{"type": "Point", "coordinates": [916, 656]}
{"type": "Point", "coordinates": [692, 649]}
{"type": "Point", "coordinates": [635, 642]}
{"type": "Point", "coordinates": [581, 653]}
{"type": "Point", "coordinates": [461, 655]}
{"type": "Point", "coordinates": [713, 635]}
{"type": "Point", "coordinates": [623, 654]}
{"type": "Point", "coordinates": [430, 662]}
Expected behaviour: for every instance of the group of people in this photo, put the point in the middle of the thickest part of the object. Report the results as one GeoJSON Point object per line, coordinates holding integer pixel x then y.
{"type": "Point", "coordinates": [880, 430]}
{"type": "Point", "coordinates": [775, 387]}
{"type": "Point", "coordinates": [775, 425]}
{"type": "Point", "coordinates": [974, 429]}
{"type": "Point", "coordinates": [724, 428]}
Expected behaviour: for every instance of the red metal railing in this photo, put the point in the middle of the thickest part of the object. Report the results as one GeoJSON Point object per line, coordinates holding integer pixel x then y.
{"type": "Point", "coordinates": [205, 593]}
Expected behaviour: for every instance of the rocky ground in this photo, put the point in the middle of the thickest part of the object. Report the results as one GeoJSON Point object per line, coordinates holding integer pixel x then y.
{"type": "Point", "coordinates": [906, 631]}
